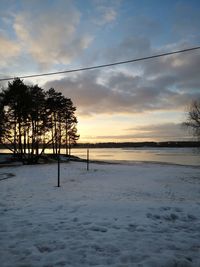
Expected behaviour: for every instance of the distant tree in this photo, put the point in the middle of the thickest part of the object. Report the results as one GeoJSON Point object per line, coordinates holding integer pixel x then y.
{"type": "Point", "coordinates": [72, 138]}
{"type": "Point", "coordinates": [193, 118]}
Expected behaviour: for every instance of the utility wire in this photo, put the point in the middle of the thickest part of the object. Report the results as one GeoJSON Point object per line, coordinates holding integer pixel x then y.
{"type": "Point", "coordinates": [104, 65]}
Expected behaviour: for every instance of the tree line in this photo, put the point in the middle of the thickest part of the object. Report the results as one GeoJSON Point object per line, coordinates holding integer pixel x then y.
{"type": "Point", "coordinates": [31, 119]}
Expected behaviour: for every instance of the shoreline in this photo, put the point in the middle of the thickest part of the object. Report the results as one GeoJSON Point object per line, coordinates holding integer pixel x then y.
{"type": "Point", "coordinates": [50, 160]}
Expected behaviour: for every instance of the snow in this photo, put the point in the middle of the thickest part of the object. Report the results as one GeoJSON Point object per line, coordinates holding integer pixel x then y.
{"type": "Point", "coordinates": [145, 215]}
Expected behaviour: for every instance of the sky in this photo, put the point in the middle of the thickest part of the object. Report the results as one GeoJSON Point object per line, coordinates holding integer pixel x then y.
{"type": "Point", "coordinates": [141, 101]}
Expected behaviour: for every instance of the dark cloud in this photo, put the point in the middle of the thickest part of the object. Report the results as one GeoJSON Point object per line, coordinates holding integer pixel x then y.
{"type": "Point", "coordinates": [84, 90]}
{"type": "Point", "coordinates": [179, 73]}
{"type": "Point", "coordinates": [119, 92]}
{"type": "Point", "coordinates": [129, 48]}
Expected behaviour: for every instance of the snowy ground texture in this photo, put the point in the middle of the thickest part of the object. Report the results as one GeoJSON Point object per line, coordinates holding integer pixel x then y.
{"type": "Point", "coordinates": [145, 215]}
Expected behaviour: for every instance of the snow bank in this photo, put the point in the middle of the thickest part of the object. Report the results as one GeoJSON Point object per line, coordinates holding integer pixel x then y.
{"type": "Point", "coordinates": [145, 215]}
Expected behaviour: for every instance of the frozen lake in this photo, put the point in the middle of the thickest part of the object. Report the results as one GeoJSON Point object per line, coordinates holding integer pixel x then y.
{"type": "Point", "coordinates": [183, 156]}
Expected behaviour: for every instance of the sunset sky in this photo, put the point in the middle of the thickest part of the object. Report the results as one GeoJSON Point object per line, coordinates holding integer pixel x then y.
{"type": "Point", "coordinates": [139, 101]}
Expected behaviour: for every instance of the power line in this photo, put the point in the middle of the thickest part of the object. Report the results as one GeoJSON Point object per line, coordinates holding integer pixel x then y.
{"type": "Point", "coordinates": [104, 65]}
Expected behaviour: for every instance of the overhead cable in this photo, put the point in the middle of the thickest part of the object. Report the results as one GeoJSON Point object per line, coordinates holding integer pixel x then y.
{"type": "Point", "coordinates": [104, 65]}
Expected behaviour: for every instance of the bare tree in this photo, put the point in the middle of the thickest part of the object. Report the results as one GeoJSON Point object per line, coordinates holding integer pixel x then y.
{"type": "Point", "coordinates": [193, 118]}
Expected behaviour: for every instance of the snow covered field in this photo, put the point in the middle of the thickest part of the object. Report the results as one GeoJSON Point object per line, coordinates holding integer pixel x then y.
{"type": "Point", "coordinates": [114, 215]}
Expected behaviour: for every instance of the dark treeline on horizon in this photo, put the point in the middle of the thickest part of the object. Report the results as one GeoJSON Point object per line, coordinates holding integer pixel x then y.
{"type": "Point", "coordinates": [128, 144]}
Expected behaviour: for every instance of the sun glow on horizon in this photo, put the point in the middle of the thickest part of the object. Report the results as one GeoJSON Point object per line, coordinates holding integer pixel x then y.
{"type": "Point", "coordinates": [132, 128]}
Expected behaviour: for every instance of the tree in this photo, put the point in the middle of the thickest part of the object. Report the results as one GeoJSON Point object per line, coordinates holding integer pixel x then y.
{"type": "Point", "coordinates": [193, 118]}
{"type": "Point", "coordinates": [2, 118]}
{"type": "Point", "coordinates": [16, 104]}
{"type": "Point", "coordinates": [31, 119]}
{"type": "Point", "coordinates": [63, 120]}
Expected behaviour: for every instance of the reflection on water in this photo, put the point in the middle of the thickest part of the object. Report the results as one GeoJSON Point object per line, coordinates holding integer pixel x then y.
{"type": "Point", "coordinates": [184, 156]}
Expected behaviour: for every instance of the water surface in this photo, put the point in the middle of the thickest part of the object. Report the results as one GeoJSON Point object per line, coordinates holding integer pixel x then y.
{"type": "Point", "coordinates": [183, 156]}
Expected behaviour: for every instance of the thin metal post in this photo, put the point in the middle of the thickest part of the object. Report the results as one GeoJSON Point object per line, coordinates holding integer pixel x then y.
{"type": "Point", "coordinates": [58, 170]}
{"type": "Point", "coordinates": [87, 159]}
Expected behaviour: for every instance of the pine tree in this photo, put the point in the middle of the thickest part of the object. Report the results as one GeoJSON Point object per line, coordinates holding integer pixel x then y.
{"type": "Point", "coordinates": [31, 119]}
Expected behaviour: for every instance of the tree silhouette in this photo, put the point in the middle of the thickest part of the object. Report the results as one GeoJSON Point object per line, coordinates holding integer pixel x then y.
{"type": "Point", "coordinates": [2, 119]}
{"type": "Point", "coordinates": [16, 106]}
{"type": "Point", "coordinates": [193, 118]}
{"type": "Point", "coordinates": [62, 117]}
{"type": "Point", "coordinates": [31, 119]}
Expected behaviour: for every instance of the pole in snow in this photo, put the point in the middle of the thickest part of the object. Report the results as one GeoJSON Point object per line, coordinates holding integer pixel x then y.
{"type": "Point", "coordinates": [58, 170]}
{"type": "Point", "coordinates": [87, 159]}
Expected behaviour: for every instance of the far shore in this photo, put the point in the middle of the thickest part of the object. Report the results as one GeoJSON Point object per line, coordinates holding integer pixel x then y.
{"type": "Point", "coordinates": [129, 144]}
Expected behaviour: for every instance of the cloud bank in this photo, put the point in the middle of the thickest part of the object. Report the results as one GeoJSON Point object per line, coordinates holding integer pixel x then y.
{"type": "Point", "coordinates": [152, 132]}
{"type": "Point", "coordinates": [168, 83]}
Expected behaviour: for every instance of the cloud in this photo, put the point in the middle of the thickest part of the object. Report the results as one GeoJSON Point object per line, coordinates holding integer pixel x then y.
{"type": "Point", "coordinates": [106, 12]}
{"type": "Point", "coordinates": [179, 73]}
{"type": "Point", "coordinates": [107, 15]}
{"type": "Point", "coordinates": [51, 35]}
{"type": "Point", "coordinates": [168, 131]}
{"type": "Point", "coordinates": [8, 50]}
{"type": "Point", "coordinates": [129, 48]}
{"type": "Point", "coordinates": [158, 132]}
{"type": "Point", "coordinates": [121, 92]}
{"type": "Point", "coordinates": [162, 84]}
{"type": "Point", "coordinates": [84, 90]}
